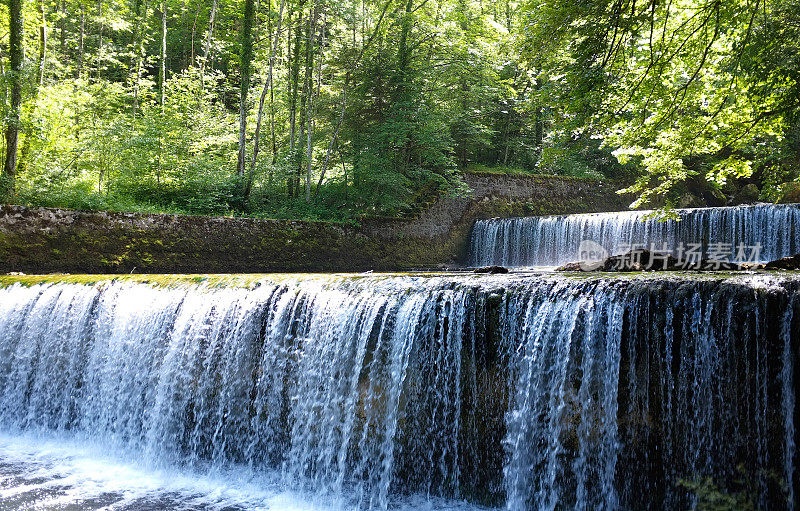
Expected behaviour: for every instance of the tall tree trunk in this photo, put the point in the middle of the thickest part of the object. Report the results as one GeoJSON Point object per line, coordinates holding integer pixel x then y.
{"type": "Point", "coordinates": [276, 50]}
{"type": "Point", "coordinates": [344, 172]}
{"type": "Point", "coordinates": [207, 45]}
{"type": "Point", "coordinates": [403, 51]}
{"type": "Point", "coordinates": [78, 76]}
{"type": "Point", "coordinates": [98, 59]}
{"type": "Point", "coordinates": [401, 85]}
{"type": "Point", "coordinates": [267, 88]}
{"type": "Point", "coordinates": [15, 25]}
{"type": "Point", "coordinates": [246, 59]}
{"type": "Point", "coordinates": [139, 53]}
{"type": "Point", "coordinates": [347, 77]}
{"type": "Point", "coordinates": [290, 59]}
{"type": "Point", "coordinates": [162, 72]}
{"type": "Point", "coordinates": [42, 41]}
{"type": "Point", "coordinates": [79, 67]}
{"type": "Point", "coordinates": [312, 36]}
{"type": "Point", "coordinates": [162, 79]}
{"type": "Point", "coordinates": [25, 149]}
{"type": "Point", "coordinates": [539, 122]}
{"type": "Point", "coordinates": [293, 92]}
{"type": "Point", "coordinates": [63, 28]}
{"type": "Point", "coordinates": [194, 32]}
{"type": "Point", "coordinates": [507, 139]}
{"type": "Point", "coordinates": [335, 136]}
{"type": "Point", "coordinates": [304, 100]}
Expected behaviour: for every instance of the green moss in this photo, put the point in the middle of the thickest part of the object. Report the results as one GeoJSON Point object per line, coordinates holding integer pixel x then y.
{"type": "Point", "coordinates": [501, 170]}
{"type": "Point", "coordinates": [251, 280]}
{"type": "Point", "coordinates": [111, 243]}
{"type": "Point", "coordinates": [161, 280]}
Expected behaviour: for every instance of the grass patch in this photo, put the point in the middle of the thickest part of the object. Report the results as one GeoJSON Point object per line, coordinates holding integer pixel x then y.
{"type": "Point", "coordinates": [160, 280]}
{"type": "Point", "coordinates": [522, 172]}
{"type": "Point", "coordinates": [477, 168]}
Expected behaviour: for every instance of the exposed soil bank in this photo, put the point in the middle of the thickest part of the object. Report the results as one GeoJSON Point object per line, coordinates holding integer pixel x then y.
{"type": "Point", "coordinates": [46, 240]}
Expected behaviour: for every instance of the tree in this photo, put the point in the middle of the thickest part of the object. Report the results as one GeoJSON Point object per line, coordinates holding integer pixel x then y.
{"type": "Point", "coordinates": [42, 41]}
{"type": "Point", "coordinates": [138, 54]}
{"type": "Point", "coordinates": [246, 57]}
{"type": "Point", "coordinates": [207, 44]}
{"type": "Point", "coordinates": [162, 70]}
{"type": "Point", "coordinates": [375, 107]}
{"type": "Point", "coordinates": [268, 87]}
{"type": "Point", "coordinates": [660, 84]}
{"type": "Point", "coordinates": [16, 55]}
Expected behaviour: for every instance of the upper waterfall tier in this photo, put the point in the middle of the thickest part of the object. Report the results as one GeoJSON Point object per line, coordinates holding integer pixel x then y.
{"type": "Point", "coordinates": [529, 392]}
{"type": "Point", "coordinates": [746, 233]}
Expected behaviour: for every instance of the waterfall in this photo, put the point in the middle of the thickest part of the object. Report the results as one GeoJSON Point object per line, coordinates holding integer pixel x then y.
{"type": "Point", "coordinates": [455, 391]}
{"type": "Point", "coordinates": [765, 232]}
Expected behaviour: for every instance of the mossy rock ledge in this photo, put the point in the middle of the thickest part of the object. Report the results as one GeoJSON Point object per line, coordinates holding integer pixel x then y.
{"type": "Point", "coordinates": [49, 240]}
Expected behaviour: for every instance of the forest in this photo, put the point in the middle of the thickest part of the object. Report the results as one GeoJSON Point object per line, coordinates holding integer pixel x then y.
{"type": "Point", "coordinates": [337, 109]}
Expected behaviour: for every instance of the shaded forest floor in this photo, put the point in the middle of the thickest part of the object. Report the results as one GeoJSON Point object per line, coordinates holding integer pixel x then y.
{"type": "Point", "coordinates": [226, 199]}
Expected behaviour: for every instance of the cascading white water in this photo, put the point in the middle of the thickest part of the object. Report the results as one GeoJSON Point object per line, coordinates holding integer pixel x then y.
{"type": "Point", "coordinates": [391, 392]}
{"type": "Point", "coordinates": [714, 233]}
{"type": "Point", "coordinates": [304, 379]}
{"type": "Point", "coordinates": [576, 336]}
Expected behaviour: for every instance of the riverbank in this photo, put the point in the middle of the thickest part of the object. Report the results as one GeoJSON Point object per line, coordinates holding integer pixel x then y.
{"type": "Point", "coordinates": [47, 240]}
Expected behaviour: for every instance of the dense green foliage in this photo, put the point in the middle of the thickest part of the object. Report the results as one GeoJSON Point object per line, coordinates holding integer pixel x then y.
{"type": "Point", "coordinates": [703, 92]}
{"type": "Point", "coordinates": [354, 107]}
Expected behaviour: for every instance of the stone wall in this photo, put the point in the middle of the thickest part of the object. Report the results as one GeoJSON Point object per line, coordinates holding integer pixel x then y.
{"type": "Point", "coordinates": [45, 240]}
{"type": "Point", "coordinates": [526, 187]}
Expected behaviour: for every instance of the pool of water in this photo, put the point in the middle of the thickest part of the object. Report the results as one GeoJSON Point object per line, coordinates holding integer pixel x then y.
{"type": "Point", "coordinates": [49, 472]}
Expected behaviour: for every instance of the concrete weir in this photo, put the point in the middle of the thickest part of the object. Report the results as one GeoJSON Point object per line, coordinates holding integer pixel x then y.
{"type": "Point", "coordinates": [443, 392]}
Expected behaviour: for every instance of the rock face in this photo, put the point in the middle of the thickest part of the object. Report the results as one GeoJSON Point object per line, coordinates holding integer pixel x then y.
{"type": "Point", "coordinates": [747, 195]}
{"type": "Point", "coordinates": [791, 193]}
{"type": "Point", "coordinates": [786, 263]}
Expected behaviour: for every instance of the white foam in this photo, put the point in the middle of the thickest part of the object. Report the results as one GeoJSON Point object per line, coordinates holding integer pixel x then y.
{"type": "Point", "coordinates": [51, 471]}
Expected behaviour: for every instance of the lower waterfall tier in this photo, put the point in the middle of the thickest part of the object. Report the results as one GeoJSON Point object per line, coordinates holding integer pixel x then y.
{"type": "Point", "coordinates": [519, 391]}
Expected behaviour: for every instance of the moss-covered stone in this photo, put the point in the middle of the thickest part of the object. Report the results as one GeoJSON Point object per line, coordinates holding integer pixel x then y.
{"type": "Point", "coordinates": [43, 240]}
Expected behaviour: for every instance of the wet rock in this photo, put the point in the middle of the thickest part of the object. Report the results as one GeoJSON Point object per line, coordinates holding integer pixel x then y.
{"type": "Point", "coordinates": [571, 267]}
{"type": "Point", "coordinates": [494, 299]}
{"type": "Point", "coordinates": [791, 193]}
{"type": "Point", "coordinates": [621, 263]}
{"type": "Point", "coordinates": [492, 270]}
{"type": "Point", "coordinates": [786, 263]}
{"type": "Point", "coordinates": [713, 265]}
{"type": "Point", "coordinates": [690, 201]}
{"type": "Point", "coordinates": [639, 260]}
{"type": "Point", "coordinates": [747, 195]}
{"type": "Point", "coordinates": [707, 192]}
{"type": "Point", "coordinates": [646, 260]}
{"type": "Point", "coordinates": [752, 266]}
{"type": "Point", "coordinates": [633, 260]}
